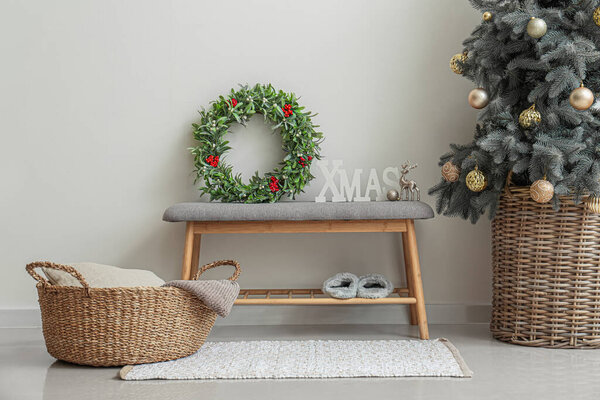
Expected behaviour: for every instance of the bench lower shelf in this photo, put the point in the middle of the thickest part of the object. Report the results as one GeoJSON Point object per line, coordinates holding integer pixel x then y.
{"type": "Point", "coordinates": [314, 297]}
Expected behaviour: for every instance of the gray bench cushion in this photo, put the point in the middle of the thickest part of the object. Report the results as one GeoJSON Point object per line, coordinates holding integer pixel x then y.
{"type": "Point", "coordinates": [297, 211]}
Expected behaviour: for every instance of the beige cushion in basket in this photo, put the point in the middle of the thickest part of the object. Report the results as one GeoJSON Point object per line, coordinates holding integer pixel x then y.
{"type": "Point", "coordinates": [103, 276]}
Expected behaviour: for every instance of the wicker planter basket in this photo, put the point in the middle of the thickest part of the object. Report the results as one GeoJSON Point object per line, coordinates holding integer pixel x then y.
{"type": "Point", "coordinates": [546, 267]}
{"type": "Point", "coordinates": [118, 326]}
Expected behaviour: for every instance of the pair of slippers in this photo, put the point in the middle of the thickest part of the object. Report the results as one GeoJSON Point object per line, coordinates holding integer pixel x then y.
{"type": "Point", "coordinates": [346, 286]}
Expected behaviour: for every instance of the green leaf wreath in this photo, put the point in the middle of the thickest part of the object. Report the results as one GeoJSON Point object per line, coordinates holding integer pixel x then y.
{"type": "Point", "coordinates": [299, 139]}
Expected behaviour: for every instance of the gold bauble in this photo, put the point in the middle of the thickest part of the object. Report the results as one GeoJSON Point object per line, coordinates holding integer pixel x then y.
{"type": "Point", "coordinates": [457, 61]}
{"type": "Point", "coordinates": [476, 180]}
{"type": "Point", "coordinates": [393, 195]}
{"type": "Point", "coordinates": [596, 16]}
{"type": "Point", "coordinates": [479, 98]}
{"type": "Point", "coordinates": [487, 16]}
{"type": "Point", "coordinates": [450, 172]}
{"type": "Point", "coordinates": [536, 27]}
{"type": "Point", "coordinates": [581, 98]}
{"type": "Point", "coordinates": [530, 118]}
{"type": "Point", "coordinates": [593, 203]}
{"type": "Point", "coordinates": [541, 191]}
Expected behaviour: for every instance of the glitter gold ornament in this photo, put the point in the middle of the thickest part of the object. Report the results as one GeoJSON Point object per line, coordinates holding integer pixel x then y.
{"type": "Point", "coordinates": [541, 191]}
{"type": "Point", "coordinates": [393, 195]}
{"type": "Point", "coordinates": [530, 118]}
{"type": "Point", "coordinates": [479, 98]}
{"type": "Point", "coordinates": [596, 16]}
{"type": "Point", "coordinates": [581, 98]}
{"type": "Point", "coordinates": [536, 27]}
{"type": "Point", "coordinates": [487, 16]}
{"type": "Point", "coordinates": [593, 203]}
{"type": "Point", "coordinates": [476, 180]}
{"type": "Point", "coordinates": [457, 61]}
{"type": "Point", "coordinates": [450, 172]}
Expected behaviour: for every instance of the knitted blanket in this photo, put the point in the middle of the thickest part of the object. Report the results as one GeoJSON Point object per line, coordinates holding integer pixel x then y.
{"type": "Point", "coordinates": [218, 295]}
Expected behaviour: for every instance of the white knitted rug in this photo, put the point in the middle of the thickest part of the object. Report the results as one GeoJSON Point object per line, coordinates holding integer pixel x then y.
{"type": "Point", "coordinates": [309, 359]}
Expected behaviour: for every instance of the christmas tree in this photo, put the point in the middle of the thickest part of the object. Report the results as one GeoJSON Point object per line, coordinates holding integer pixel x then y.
{"type": "Point", "coordinates": [535, 69]}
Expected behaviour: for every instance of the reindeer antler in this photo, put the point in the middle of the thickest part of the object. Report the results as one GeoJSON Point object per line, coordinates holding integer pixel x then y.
{"type": "Point", "coordinates": [407, 166]}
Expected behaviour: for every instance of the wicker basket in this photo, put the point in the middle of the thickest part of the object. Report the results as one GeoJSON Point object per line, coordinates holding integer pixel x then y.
{"type": "Point", "coordinates": [546, 267]}
{"type": "Point", "coordinates": [118, 326]}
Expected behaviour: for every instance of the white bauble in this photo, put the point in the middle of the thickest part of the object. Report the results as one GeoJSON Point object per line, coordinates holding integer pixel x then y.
{"type": "Point", "coordinates": [536, 28]}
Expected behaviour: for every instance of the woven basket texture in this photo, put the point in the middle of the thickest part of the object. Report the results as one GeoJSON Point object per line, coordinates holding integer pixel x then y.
{"type": "Point", "coordinates": [546, 273]}
{"type": "Point", "coordinates": [119, 326]}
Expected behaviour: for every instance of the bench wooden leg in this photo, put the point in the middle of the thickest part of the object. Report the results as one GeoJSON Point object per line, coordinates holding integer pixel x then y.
{"type": "Point", "coordinates": [195, 255]}
{"type": "Point", "coordinates": [415, 284]}
{"type": "Point", "coordinates": [413, 307]}
{"type": "Point", "coordinates": [191, 252]}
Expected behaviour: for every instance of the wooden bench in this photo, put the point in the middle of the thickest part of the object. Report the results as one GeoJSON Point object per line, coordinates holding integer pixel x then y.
{"type": "Point", "coordinates": [303, 217]}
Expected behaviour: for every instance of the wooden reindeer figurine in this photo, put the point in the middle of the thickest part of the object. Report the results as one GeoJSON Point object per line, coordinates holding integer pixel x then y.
{"type": "Point", "coordinates": [410, 187]}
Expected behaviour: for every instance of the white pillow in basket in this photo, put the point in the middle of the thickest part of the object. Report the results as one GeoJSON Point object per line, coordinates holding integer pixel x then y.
{"type": "Point", "coordinates": [103, 276]}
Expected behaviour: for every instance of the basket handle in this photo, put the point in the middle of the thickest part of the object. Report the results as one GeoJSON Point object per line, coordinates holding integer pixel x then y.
{"type": "Point", "coordinates": [47, 264]}
{"type": "Point", "coordinates": [215, 264]}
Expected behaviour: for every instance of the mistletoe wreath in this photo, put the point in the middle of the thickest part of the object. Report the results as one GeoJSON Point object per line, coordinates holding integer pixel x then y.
{"type": "Point", "coordinates": [299, 139]}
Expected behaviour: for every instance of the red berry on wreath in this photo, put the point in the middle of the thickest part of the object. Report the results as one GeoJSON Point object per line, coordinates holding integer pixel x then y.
{"type": "Point", "coordinates": [274, 184]}
{"type": "Point", "coordinates": [309, 158]}
{"type": "Point", "coordinates": [233, 102]}
{"type": "Point", "coordinates": [287, 110]}
{"type": "Point", "coordinates": [213, 161]}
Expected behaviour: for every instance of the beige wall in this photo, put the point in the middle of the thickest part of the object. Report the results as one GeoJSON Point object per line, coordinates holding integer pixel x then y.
{"type": "Point", "coordinates": [97, 98]}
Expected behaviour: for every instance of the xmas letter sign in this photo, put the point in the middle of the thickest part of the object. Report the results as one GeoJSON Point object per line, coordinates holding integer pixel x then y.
{"type": "Point", "coordinates": [349, 189]}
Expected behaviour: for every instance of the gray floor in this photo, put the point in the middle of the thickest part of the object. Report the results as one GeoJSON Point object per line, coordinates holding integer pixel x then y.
{"type": "Point", "coordinates": [502, 371]}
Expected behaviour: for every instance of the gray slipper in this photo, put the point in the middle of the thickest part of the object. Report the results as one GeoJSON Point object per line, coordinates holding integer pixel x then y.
{"type": "Point", "coordinates": [341, 286]}
{"type": "Point", "coordinates": [374, 286]}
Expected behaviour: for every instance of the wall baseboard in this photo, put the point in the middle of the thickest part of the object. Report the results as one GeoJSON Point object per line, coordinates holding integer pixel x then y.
{"type": "Point", "coordinates": [306, 315]}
